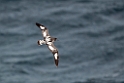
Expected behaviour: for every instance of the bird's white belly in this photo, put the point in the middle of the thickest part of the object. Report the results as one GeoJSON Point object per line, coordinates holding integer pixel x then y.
{"type": "Point", "coordinates": [48, 38]}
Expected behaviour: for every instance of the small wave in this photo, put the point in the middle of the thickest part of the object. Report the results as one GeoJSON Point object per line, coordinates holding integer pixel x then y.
{"type": "Point", "coordinates": [119, 38]}
{"type": "Point", "coordinates": [116, 29]}
{"type": "Point", "coordinates": [103, 33]}
{"type": "Point", "coordinates": [114, 10]}
{"type": "Point", "coordinates": [93, 80]}
{"type": "Point", "coordinates": [84, 1]}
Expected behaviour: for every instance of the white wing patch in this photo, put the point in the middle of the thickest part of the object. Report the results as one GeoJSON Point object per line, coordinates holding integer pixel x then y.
{"type": "Point", "coordinates": [41, 27]}
{"type": "Point", "coordinates": [44, 34]}
{"type": "Point", "coordinates": [56, 56]}
{"type": "Point", "coordinates": [51, 47]}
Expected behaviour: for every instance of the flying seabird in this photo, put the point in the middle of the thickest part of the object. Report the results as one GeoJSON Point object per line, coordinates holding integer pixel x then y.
{"type": "Point", "coordinates": [48, 40]}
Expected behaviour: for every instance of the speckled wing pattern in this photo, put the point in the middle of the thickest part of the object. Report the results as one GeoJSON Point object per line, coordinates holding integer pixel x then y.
{"type": "Point", "coordinates": [49, 44]}
{"type": "Point", "coordinates": [44, 30]}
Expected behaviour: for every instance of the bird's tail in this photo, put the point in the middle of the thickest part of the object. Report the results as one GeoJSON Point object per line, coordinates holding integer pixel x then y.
{"type": "Point", "coordinates": [41, 42]}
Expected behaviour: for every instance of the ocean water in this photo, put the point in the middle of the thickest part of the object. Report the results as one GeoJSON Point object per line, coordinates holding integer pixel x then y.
{"type": "Point", "coordinates": [90, 41]}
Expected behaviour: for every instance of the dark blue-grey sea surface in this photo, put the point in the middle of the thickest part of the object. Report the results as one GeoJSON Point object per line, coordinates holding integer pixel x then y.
{"type": "Point", "coordinates": [90, 41]}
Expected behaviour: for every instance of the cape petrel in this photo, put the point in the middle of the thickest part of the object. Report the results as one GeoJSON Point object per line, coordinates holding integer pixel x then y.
{"type": "Point", "coordinates": [48, 40]}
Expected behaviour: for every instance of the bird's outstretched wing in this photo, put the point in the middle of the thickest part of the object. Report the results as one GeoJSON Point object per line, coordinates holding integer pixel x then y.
{"type": "Point", "coordinates": [45, 31]}
{"type": "Point", "coordinates": [54, 51]}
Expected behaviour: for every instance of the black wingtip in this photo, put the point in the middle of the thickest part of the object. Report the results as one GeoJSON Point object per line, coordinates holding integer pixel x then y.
{"type": "Point", "coordinates": [38, 24]}
{"type": "Point", "coordinates": [38, 42]}
{"type": "Point", "coordinates": [56, 62]}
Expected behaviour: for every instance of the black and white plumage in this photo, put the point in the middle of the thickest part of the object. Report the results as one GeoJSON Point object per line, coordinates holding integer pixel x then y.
{"type": "Point", "coordinates": [48, 40]}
